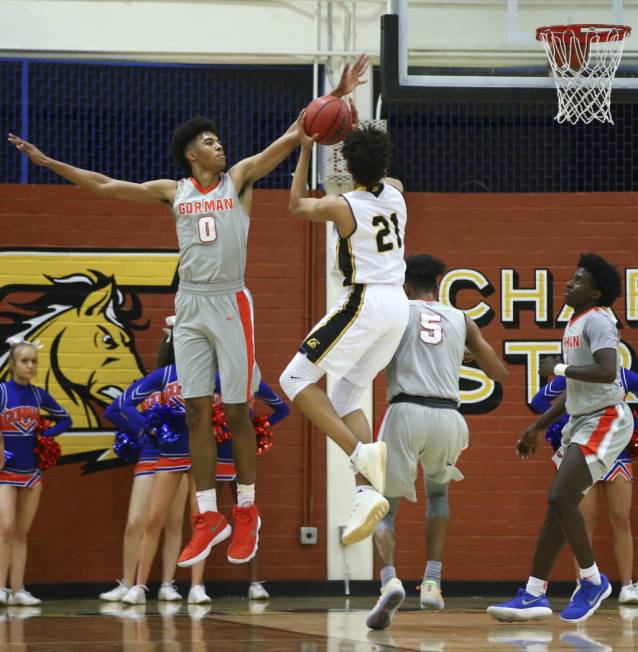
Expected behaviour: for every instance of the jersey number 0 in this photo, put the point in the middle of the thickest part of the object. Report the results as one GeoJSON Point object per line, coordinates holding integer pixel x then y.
{"type": "Point", "coordinates": [207, 229]}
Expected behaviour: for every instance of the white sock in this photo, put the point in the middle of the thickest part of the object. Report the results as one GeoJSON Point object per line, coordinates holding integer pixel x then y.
{"type": "Point", "coordinates": [536, 587]}
{"type": "Point", "coordinates": [386, 574]}
{"type": "Point", "coordinates": [592, 574]}
{"type": "Point", "coordinates": [363, 487]}
{"type": "Point", "coordinates": [206, 500]}
{"type": "Point", "coordinates": [245, 494]}
{"type": "Point", "coordinates": [353, 457]}
{"type": "Point", "coordinates": [433, 572]}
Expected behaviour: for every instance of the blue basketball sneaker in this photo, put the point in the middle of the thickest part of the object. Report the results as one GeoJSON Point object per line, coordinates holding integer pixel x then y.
{"type": "Point", "coordinates": [586, 600]}
{"type": "Point", "coordinates": [524, 606]}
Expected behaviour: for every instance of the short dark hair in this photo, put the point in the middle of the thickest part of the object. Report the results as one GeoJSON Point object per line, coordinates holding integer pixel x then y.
{"type": "Point", "coordinates": [423, 270]}
{"type": "Point", "coordinates": [184, 135]}
{"type": "Point", "coordinates": [166, 353]}
{"type": "Point", "coordinates": [368, 151]}
{"type": "Point", "coordinates": [605, 276]}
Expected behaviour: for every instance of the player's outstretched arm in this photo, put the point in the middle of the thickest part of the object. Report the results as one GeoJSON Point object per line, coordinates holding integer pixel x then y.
{"type": "Point", "coordinates": [162, 190]}
{"type": "Point", "coordinates": [483, 353]}
{"type": "Point", "coordinates": [326, 209]}
{"type": "Point", "coordinates": [251, 169]}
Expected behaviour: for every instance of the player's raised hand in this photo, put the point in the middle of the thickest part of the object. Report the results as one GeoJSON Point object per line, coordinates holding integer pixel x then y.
{"type": "Point", "coordinates": [29, 150]}
{"type": "Point", "coordinates": [351, 76]}
{"type": "Point", "coordinates": [526, 445]}
{"type": "Point", "coordinates": [304, 139]}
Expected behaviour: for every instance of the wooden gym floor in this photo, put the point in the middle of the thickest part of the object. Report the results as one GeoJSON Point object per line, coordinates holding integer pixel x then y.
{"type": "Point", "coordinates": [306, 624]}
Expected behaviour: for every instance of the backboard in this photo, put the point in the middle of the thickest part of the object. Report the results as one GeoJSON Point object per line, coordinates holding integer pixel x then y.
{"type": "Point", "coordinates": [487, 49]}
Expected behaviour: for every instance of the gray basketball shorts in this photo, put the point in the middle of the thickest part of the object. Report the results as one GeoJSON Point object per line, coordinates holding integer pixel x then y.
{"type": "Point", "coordinates": [215, 331]}
{"type": "Point", "coordinates": [416, 434]}
{"type": "Point", "coordinates": [601, 435]}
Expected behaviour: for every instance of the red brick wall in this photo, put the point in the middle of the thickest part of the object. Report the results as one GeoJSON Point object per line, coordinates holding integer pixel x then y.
{"type": "Point", "coordinates": [496, 511]}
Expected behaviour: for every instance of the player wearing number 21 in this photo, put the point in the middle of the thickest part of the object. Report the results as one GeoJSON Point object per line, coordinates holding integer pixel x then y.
{"type": "Point", "coordinates": [357, 338]}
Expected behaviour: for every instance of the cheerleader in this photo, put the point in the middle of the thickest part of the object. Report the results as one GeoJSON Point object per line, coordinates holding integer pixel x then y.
{"type": "Point", "coordinates": [616, 486]}
{"type": "Point", "coordinates": [20, 478]}
{"type": "Point", "coordinates": [144, 471]}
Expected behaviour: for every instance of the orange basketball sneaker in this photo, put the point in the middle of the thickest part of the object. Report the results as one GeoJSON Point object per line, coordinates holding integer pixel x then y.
{"type": "Point", "coordinates": [245, 541]}
{"type": "Point", "coordinates": [209, 528]}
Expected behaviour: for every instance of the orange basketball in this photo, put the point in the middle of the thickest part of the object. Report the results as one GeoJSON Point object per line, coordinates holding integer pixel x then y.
{"type": "Point", "coordinates": [329, 117]}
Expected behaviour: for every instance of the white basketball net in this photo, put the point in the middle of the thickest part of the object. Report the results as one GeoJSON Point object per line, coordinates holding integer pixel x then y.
{"type": "Point", "coordinates": [584, 60]}
{"type": "Point", "coordinates": [333, 174]}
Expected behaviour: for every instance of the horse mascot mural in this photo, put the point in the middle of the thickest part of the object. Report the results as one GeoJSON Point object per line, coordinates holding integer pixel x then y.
{"type": "Point", "coordinates": [84, 324]}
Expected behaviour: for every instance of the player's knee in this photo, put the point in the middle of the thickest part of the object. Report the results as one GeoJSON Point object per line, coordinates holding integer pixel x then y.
{"type": "Point", "coordinates": [299, 374]}
{"type": "Point", "coordinates": [346, 397]}
{"type": "Point", "coordinates": [387, 522]}
{"type": "Point", "coordinates": [237, 415]}
{"type": "Point", "coordinates": [620, 521]}
{"type": "Point", "coordinates": [438, 504]}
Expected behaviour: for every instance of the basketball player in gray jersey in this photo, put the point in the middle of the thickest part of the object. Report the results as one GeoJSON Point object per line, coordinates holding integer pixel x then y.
{"type": "Point", "coordinates": [599, 428]}
{"type": "Point", "coordinates": [423, 425]}
{"type": "Point", "coordinates": [214, 316]}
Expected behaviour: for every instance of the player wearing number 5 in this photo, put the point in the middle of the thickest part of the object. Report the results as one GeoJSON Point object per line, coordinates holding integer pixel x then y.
{"type": "Point", "coordinates": [357, 338]}
{"type": "Point", "coordinates": [423, 426]}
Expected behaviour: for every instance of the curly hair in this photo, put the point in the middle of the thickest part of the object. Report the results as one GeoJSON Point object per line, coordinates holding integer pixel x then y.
{"type": "Point", "coordinates": [184, 135]}
{"type": "Point", "coordinates": [368, 151]}
{"type": "Point", "coordinates": [606, 278]}
{"type": "Point", "coordinates": [423, 270]}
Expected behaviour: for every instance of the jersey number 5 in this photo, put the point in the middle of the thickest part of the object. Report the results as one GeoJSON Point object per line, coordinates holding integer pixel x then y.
{"type": "Point", "coordinates": [207, 229]}
{"type": "Point", "coordinates": [431, 331]}
{"type": "Point", "coordinates": [383, 231]}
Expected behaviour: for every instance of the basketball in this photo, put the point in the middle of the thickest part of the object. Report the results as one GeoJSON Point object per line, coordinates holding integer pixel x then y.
{"type": "Point", "coordinates": [329, 117]}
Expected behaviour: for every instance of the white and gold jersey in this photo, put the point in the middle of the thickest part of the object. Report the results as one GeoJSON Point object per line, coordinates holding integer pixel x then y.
{"type": "Point", "coordinates": [374, 251]}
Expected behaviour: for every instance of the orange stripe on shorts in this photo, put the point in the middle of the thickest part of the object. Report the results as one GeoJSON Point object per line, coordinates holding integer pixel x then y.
{"type": "Point", "coordinates": [604, 426]}
{"type": "Point", "coordinates": [247, 324]}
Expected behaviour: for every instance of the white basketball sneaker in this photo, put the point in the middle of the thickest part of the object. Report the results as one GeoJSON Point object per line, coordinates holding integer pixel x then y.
{"type": "Point", "coordinates": [168, 592]}
{"type": "Point", "coordinates": [392, 595]}
{"type": "Point", "coordinates": [256, 591]}
{"type": "Point", "coordinates": [23, 598]}
{"type": "Point", "coordinates": [370, 462]}
{"type": "Point", "coordinates": [430, 597]}
{"type": "Point", "coordinates": [136, 595]}
{"type": "Point", "coordinates": [116, 594]}
{"type": "Point", "coordinates": [629, 594]}
{"type": "Point", "coordinates": [198, 595]}
{"type": "Point", "coordinates": [4, 596]}
{"type": "Point", "coordinates": [368, 509]}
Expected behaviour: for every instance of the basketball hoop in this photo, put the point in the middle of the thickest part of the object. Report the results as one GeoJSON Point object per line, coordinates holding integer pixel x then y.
{"type": "Point", "coordinates": [584, 60]}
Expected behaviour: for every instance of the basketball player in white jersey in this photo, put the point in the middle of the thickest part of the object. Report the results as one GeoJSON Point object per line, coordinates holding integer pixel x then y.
{"type": "Point", "coordinates": [214, 314]}
{"type": "Point", "coordinates": [423, 425]}
{"type": "Point", "coordinates": [599, 428]}
{"type": "Point", "coordinates": [358, 336]}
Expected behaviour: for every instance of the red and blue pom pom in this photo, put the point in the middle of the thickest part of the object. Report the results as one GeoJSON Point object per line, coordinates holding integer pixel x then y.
{"type": "Point", "coordinates": [554, 434]}
{"type": "Point", "coordinates": [222, 432]}
{"type": "Point", "coordinates": [47, 450]}
{"type": "Point", "coordinates": [126, 446]}
{"type": "Point", "coordinates": [164, 423]}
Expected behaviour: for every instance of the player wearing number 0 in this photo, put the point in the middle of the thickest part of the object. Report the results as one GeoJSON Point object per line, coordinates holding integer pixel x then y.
{"type": "Point", "coordinates": [423, 425]}
{"type": "Point", "coordinates": [214, 313]}
{"type": "Point", "coordinates": [599, 428]}
{"type": "Point", "coordinates": [358, 336]}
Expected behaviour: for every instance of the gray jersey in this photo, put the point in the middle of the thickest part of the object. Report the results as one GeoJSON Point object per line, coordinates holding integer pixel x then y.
{"type": "Point", "coordinates": [430, 354]}
{"type": "Point", "coordinates": [584, 335]}
{"type": "Point", "coordinates": [212, 230]}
